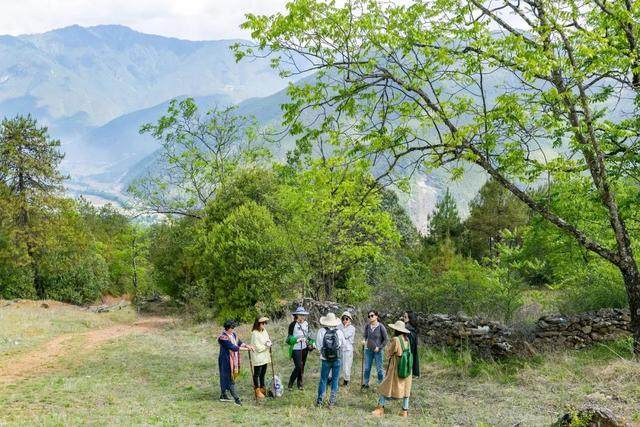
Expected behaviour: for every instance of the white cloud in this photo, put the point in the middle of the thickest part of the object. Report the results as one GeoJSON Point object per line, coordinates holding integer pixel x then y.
{"type": "Point", "coordinates": [188, 19]}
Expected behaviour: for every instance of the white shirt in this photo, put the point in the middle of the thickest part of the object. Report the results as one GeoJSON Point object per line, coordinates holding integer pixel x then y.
{"type": "Point", "coordinates": [301, 330]}
{"type": "Point", "coordinates": [349, 333]}
{"type": "Point", "coordinates": [320, 338]}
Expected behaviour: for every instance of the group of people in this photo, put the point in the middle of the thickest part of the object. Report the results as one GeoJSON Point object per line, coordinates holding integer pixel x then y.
{"type": "Point", "coordinates": [335, 343]}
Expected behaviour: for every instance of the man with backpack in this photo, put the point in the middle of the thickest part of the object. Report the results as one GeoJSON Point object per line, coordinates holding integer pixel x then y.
{"type": "Point", "coordinates": [329, 342]}
{"type": "Point", "coordinates": [398, 379]}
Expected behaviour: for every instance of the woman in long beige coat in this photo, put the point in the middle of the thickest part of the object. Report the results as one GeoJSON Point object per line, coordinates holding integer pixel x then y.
{"type": "Point", "coordinates": [394, 387]}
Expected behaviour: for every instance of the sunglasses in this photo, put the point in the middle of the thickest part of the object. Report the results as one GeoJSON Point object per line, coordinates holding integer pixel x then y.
{"type": "Point", "coordinates": [345, 318]}
{"type": "Point", "coordinates": [372, 315]}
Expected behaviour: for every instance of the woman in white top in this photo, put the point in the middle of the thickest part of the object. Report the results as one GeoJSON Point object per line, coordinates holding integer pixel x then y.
{"type": "Point", "coordinates": [299, 345]}
{"type": "Point", "coordinates": [349, 332]}
{"type": "Point", "coordinates": [261, 343]}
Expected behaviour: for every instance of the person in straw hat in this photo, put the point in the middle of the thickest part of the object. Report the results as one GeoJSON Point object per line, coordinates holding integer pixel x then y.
{"type": "Point", "coordinates": [396, 384]}
{"type": "Point", "coordinates": [349, 332]}
{"type": "Point", "coordinates": [261, 343]}
{"type": "Point", "coordinates": [329, 341]}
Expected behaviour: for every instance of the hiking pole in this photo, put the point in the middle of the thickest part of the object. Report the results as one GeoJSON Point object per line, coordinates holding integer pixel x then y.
{"type": "Point", "coordinates": [255, 396]}
{"type": "Point", "coordinates": [362, 367]}
{"type": "Point", "coordinates": [273, 372]}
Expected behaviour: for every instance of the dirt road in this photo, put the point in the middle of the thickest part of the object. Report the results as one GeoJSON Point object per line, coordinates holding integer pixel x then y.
{"type": "Point", "coordinates": [47, 356]}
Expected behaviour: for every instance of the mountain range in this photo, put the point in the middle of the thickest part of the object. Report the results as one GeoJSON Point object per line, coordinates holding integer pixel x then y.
{"type": "Point", "coordinates": [95, 86]}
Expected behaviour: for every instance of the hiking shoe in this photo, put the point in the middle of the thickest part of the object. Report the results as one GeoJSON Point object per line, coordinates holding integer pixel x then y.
{"type": "Point", "coordinates": [378, 412]}
{"type": "Point", "coordinates": [365, 386]}
{"type": "Point", "coordinates": [318, 403]}
{"type": "Point", "coordinates": [331, 405]}
{"type": "Point", "coordinates": [345, 383]}
{"type": "Point", "coordinates": [238, 402]}
{"type": "Point", "coordinates": [404, 413]}
{"type": "Point", "coordinates": [225, 398]}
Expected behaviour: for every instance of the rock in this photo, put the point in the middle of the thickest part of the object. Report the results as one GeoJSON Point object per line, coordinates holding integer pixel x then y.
{"type": "Point", "coordinates": [586, 329]}
{"type": "Point", "coordinates": [592, 416]}
{"type": "Point", "coordinates": [44, 305]}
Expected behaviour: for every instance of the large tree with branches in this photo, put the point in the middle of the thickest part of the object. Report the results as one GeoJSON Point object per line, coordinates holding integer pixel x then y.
{"type": "Point", "coordinates": [527, 90]}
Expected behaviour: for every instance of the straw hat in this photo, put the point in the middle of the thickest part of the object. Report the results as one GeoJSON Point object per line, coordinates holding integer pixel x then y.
{"type": "Point", "coordinates": [330, 320]}
{"type": "Point", "coordinates": [300, 310]}
{"type": "Point", "coordinates": [346, 314]}
{"type": "Point", "coordinates": [263, 319]}
{"type": "Point", "coordinates": [399, 326]}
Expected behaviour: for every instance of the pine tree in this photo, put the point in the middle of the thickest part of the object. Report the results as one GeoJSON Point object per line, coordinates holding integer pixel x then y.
{"type": "Point", "coordinates": [444, 223]}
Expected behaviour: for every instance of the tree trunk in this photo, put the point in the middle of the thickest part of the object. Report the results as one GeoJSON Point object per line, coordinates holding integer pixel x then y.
{"type": "Point", "coordinates": [631, 278]}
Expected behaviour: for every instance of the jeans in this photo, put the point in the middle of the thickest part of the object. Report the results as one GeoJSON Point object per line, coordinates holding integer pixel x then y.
{"type": "Point", "coordinates": [405, 402]}
{"type": "Point", "coordinates": [369, 356]}
{"type": "Point", "coordinates": [334, 368]}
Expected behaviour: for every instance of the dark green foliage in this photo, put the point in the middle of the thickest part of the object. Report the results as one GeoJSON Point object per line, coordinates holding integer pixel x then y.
{"type": "Point", "coordinates": [492, 211]}
{"type": "Point", "coordinates": [445, 221]}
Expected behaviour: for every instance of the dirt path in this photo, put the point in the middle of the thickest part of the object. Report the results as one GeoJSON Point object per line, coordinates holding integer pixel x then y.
{"type": "Point", "coordinates": [46, 357]}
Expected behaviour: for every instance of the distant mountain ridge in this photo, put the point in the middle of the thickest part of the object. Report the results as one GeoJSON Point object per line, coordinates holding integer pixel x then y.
{"type": "Point", "coordinates": [90, 75]}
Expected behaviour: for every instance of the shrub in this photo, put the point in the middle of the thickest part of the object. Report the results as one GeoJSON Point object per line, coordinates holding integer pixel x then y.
{"type": "Point", "coordinates": [591, 287]}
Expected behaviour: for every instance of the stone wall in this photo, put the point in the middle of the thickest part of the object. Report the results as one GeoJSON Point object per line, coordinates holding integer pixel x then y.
{"type": "Point", "coordinates": [494, 339]}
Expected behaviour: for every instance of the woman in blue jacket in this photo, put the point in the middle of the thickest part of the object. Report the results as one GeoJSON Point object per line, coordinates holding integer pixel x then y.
{"type": "Point", "coordinates": [229, 361]}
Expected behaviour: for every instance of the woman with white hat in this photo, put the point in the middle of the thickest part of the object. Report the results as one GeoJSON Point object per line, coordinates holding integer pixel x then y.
{"type": "Point", "coordinates": [261, 343]}
{"type": "Point", "coordinates": [330, 341]}
{"type": "Point", "coordinates": [299, 345]}
{"type": "Point", "coordinates": [398, 380]}
{"type": "Point", "coordinates": [349, 332]}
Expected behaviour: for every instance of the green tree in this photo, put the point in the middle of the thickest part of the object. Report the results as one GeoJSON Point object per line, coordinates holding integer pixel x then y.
{"type": "Point", "coordinates": [444, 223]}
{"type": "Point", "coordinates": [436, 81]}
{"type": "Point", "coordinates": [245, 263]}
{"type": "Point", "coordinates": [198, 152]}
{"type": "Point", "coordinates": [492, 211]}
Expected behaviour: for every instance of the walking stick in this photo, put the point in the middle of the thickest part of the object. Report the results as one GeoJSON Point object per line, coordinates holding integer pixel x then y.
{"type": "Point", "coordinates": [362, 368]}
{"type": "Point", "coordinates": [273, 373]}
{"type": "Point", "coordinates": [255, 396]}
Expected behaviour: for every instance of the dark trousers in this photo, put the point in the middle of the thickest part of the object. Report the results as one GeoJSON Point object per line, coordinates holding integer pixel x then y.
{"type": "Point", "coordinates": [299, 360]}
{"type": "Point", "coordinates": [258, 375]}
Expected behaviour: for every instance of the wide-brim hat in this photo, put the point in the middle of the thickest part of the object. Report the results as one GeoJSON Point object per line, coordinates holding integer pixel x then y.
{"type": "Point", "coordinates": [263, 319]}
{"type": "Point", "coordinates": [329, 320]}
{"type": "Point", "coordinates": [300, 310]}
{"type": "Point", "coordinates": [399, 326]}
{"type": "Point", "coordinates": [347, 314]}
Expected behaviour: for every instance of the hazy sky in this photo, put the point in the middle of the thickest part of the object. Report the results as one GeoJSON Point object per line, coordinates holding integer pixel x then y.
{"type": "Point", "coordinates": [188, 19]}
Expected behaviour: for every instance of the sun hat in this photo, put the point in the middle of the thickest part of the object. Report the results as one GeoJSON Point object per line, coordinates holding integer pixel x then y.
{"type": "Point", "coordinates": [263, 319]}
{"type": "Point", "coordinates": [399, 326]}
{"type": "Point", "coordinates": [347, 314]}
{"type": "Point", "coordinates": [300, 310]}
{"type": "Point", "coordinates": [329, 320]}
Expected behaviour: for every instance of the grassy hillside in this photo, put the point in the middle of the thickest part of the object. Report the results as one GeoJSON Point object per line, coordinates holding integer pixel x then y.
{"type": "Point", "coordinates": [167, 375]}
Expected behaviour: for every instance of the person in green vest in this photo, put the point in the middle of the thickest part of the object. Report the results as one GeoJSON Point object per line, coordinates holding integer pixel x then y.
{"type": "Point", "coordinates": [300, 344]}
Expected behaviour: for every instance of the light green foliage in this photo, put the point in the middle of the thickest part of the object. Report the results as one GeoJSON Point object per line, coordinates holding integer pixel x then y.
{"type": "Point", "coordinates": [335, 223]}
{"type": "Point", "coordinates": [198, 153]}
{"type": "Point", "coordinates": [451, 283]}
{"type": "Point", "coordinates": [433, 84]}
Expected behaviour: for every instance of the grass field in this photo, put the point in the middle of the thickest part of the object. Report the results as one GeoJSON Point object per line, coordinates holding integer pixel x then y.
{"type": "Point", "coordinates": [166, 375]}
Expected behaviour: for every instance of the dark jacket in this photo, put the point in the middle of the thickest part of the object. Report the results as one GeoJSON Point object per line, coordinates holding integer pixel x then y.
{"type": "Point", "coordinates": [228, 360]}
{"type": "Point", "coordinates": [376, 338]}
{"type": "Point", "coordinates": [413, 340]}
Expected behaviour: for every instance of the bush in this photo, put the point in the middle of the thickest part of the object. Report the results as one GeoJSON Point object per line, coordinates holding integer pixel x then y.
{"type": "Point", "coordinates": [452, 283]}
{"type": "Point", "coordinates": [587, 288]}
{"type": "Point", "coordinates": [246, 263]}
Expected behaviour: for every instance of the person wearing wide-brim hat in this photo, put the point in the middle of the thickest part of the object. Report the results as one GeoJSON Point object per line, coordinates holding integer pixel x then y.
{"type": "Point", "coordinates": [261, 357]}
{"type": "Point", "coordinates": [349, 332]}
{"type": "Point", "coordinates": [300, 344]}
{"type": "Point", "coordinates": [394, 387]}
{"type": "Point", "coordinates": [330, 341]}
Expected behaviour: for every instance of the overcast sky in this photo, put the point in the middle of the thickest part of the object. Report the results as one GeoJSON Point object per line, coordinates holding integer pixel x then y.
{"type": "Point", "coordinates": [187, 19]}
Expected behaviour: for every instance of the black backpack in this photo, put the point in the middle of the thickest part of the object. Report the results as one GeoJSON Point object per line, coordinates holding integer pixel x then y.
{"type": "Point", "coordinates": [330, 344]}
